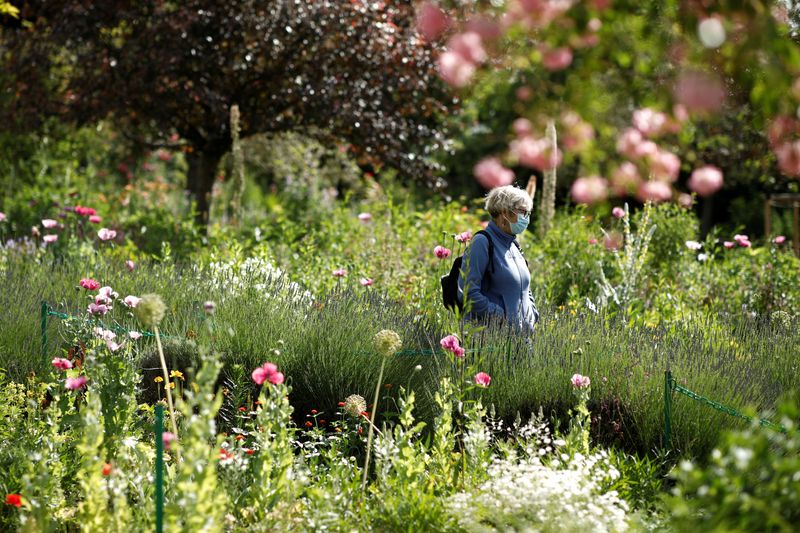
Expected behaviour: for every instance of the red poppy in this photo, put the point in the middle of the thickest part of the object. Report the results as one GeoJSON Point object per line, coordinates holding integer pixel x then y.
{"type": "Point", "coordinates": [242, 409]}
{"type": "Point", "coordinates": [341, 404]}
{"type": "Point", "coordinates": [107, 469]}
{"type": "Point", "coordinates": [248, 451]}
{"type": "Point", "coordinates": [14, 499]}
{"type": "Point", "coordinates": [313, 411]}
{"type": "Point", "coordinates": [308, 424]}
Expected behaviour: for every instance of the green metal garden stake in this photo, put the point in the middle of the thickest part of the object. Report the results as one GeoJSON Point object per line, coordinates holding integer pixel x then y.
{"type": "Point", "coordinates": [44, 329]}
{"type": "Point", "coordinates": [159, 468]}
{"type": "Point", "coordinates": [667, 408]}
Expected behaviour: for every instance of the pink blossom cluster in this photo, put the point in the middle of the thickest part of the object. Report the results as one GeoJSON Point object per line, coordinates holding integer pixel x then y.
{"type": "Point", "coordinates": [441, 252]}
{"type": "Point", "coordinates": [267, 372]}
{"type": "Point", "coordinates": [536, 153]}
{"type": "Point", "coordinates": [465, 52]}
{"type": "Point", "coordinates": [491, 173]}
{"type": "Point", "coordinates": [784, 138]}
{"type": "Point", "coordinates": [451, 344]}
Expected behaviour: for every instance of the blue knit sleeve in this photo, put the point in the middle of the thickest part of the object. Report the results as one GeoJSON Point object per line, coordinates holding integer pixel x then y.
{"type": "Point", "coordinates": [476, 261]}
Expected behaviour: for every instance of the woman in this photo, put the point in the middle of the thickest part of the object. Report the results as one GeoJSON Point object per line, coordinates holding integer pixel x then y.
{"type": "Point", "coordinates": [500, 287]}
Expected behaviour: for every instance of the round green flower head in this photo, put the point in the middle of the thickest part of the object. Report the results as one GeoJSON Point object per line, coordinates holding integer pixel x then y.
{"type": "Point", "coordinates": [387, 342]}
{"type": "Point", "coordinates": [354, 405]}
{"type": "Point", "coordinates": [150, 310]}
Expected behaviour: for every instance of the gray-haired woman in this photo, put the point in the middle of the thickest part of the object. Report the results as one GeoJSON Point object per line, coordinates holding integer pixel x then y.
{"type": "Point", "coordinates": [500, 286]}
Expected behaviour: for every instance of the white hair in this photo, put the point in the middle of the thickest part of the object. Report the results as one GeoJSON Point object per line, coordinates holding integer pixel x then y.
{"type": "Point", "coordinates": [507, 198]}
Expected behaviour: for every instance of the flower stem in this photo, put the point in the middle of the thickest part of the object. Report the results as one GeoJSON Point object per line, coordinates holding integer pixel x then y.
{"type": "Point", "coordinates": [372, 425]}
{"type": "Point", "coordinates": [173, 424]}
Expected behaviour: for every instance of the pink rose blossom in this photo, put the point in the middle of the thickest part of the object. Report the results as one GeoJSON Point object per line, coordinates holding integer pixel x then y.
{"type": "Point", "coordinates": [482, 379]}
{"type": "Point", "coordinates": [61, 363]}
{"type": "Point", "coordinates": [364, 217]}
{"type": "Point", "coordinates": [645, 149]}
{"type": "Point", "coordinates": [665, 166]}
{"type": "Point", "coordinates": [75, 383]}
{"type": "Point", "coordinates": [699, 92]}
{"type": "Point", "coordinates": [522, 127]}
{"type": "Point", "coordinates": [366, 282]}
{"type": "Point", "coordinates": [780, 239]}
{"type": "Point", "coordinates": [339, 273]}
{"type": "Point", "coordinates": [464, 236]}
{"type": "Point", "coordinates": [441, 252]}
{"type": "Point", "coordinates": [490, 173]}
{"type": "Point", "coordinates": [685, 200]}
{"type": "Point", "coordinates": [130, 265]}
{"type": "Point", "coordinates": [106, 234]}
{"type": "Point", "coordinates": [618, 212]}
{"type": "Point", "coordinates": [451, 344]}
{"type": "Point", "coordinates": [628, 141]}
{"type": "Point", "coordinates": [625, 179]}
{"type": "Point", "coordinates": [706, 180]}
{"type": "Point", "coordinates": [781, 129]}
{"type": "Point", "coordinates": [431, 21]}
{"type": "Point", "coordinates": [523, 93]}
{"type": "Point", "coordinates": [168, 437]}
{"type": "Point", "coordinates": [89, 284]}
{"type": "Point", "coordinates": [728, 244]}
{"type": "Point", "coordinates": [95, 219]}
{"type": "Point", "coordinates": [131, 301]}
{"type": "Point", "coordinates": [654, 191]}
{"type": "Point", "coordinates": [469, 46]}
{"type": "Point", "coordinates": [651, 123]}
{"type": "Point", "coordinates": [788, 154]}
{"type": "Point", "coordinates": [50, 238]}
{"type": "Point", "coordinates": [580, 382]}
{"type": "Point", "coordinates": [49, 223]}
{"type": "Point", "coordinates": [589, 190]}
{"type": "Point", "coordinates": [557, 59]}
{"type": "Point", "coordinates": [535, 153]}
{"type": "Point", "coordinates": [454, 69]}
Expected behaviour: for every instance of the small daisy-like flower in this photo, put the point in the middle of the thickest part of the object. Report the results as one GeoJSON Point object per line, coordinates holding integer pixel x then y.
{"type": "Point", "coordinates": [354, 405]}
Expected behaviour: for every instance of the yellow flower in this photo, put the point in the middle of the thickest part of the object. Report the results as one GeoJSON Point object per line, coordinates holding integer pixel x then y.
{"type": "Point", "coordinates": [158, 379]}
{"type": "Point", "coordinates": [172, 385]}
{"type": "Point", "coordinates": [176, 374]}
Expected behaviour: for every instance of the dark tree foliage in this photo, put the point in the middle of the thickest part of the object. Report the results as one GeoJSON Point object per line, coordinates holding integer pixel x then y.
{"type": "Point", "coordinates": [352, 68]}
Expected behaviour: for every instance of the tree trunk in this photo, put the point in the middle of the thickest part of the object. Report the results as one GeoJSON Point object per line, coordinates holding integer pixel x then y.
{"type": "Point", "coordinates": [200, 182]}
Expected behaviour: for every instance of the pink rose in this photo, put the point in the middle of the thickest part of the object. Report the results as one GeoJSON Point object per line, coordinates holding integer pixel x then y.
{"type": "Point", "coordinates": [89, 284]}
{"type": "Point", "coordinates": [699, 91]}
{"type": "Point", "coordinates": [557, 59]}
{"type": "Point", "coordinates": [589, 190]}
{"type": "Point", "coordinates": [665, 166]}
{"type": "Point", "coordinates": [654, 191]}
{"type": "Point", "coordinates": [441, 252]}
{"type": "Point", "coordinates": [469, 46]}
{"type": "Point", "coordinates": [618, 212]}
{"type": "Point", "coordinates": [61, 363]}
{"type": "Point", "coordinates": [482, 379]}
{"type": "Point", "coordinates": [490, 173]}
{"type": "Point", "coordinates": [454, 69]}
{"type": "Point", "coordinates": [651, 123]}
{"type": "Point", "coordinates": [431, 21]}
{"type": "Point", "coordinates": [628, 141]}
{"type": "Point", "coordinates": [522, 127]}
{"type": "Point", "coordinates": [535, 153]}
{"type": "Point", "coordinates": [625, 179]}
{"type": "Point", "coordinates": [706, 180]}
{"type": "Point", "coordinates": [788, 154]}
{"type": "Point", "coordinates": [75, 383]}
{"type": "Point", "coordinates": [580, 382]}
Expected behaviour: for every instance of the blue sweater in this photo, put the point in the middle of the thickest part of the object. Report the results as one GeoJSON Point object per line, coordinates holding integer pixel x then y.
{"type": "Point", "coordinates": [504, 291]}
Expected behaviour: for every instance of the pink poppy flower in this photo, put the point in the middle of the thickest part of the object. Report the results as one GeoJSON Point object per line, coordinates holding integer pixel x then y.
{"type": "Point", "coordinates": [580, 382]}
{"type": "Point", "coordinates": [89, 284]}
{"type": "Point", "coordinates": [742, 240]}
{"type": "Point", "coordinates": [366, 282]}
{"type": "Point", "coordinates": [105, 334]}
{"type": "Point", "coordinates": [490, 173]}
{"type": "Point", "coordinates": [267, 372]}
{"type": "Point", "coordinates": [482, 379]}
{"type": "Point", "coordinates": [464, 236]}
{"type": "Point", "coordinates": [134, 335]}
{"type": "Point", "coordinates": [592, 241]}
{"type": "Point", "coordinates": [61, 363]}
{"type": "Point", "coordinates": [95, 219]}
{"type": "Point", "coordinates": [364, 217]}
{"type": "Point", "coordinates": [728, 244]}
{"type": "Point", "coordinates": [131, 301]}
{"type": "Point", "coordinates": [276, 379]}
{"type": "Point", "coordinates": [339, 273]}
{"type": "Point", "coordinates": [441, 252]}
{"type": "Point", "coordinates": [106, 294]}
{"type": "Point", "coordinates": [50, 238]}
{"type": "Point", "coordinates": [49, 223]}
{"type": "Point", "coordinates": [106, 234]}
{"type": "Point", "coordinates": [84, 211]}
{"type": "Point", "coordinates": [451, 344]}
{"type": "Point", "coordinates": [706, 180]}
{"type": "Point", "coordinates": [780, 239]}
{"type": "Point", "coordinates": [618, 212]}
{"type": "Point", "coordinates": [75, 383]}
{"type": "Point", "coordinates": [130, 265]}
{"type": "Point", "coordinates": [97, 309]}
{"type": "Point", "coordinates": [112, 345]}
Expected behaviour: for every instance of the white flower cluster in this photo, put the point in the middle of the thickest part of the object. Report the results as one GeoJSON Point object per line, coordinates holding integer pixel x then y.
{"type": "Point", "coordinates": [529, 495]}
{"type": "Point", "coordinates": [260, 275]}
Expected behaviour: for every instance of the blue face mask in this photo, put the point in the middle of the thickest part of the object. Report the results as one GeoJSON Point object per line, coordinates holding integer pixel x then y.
{"type": "Point", "coordinates": [520, 225]}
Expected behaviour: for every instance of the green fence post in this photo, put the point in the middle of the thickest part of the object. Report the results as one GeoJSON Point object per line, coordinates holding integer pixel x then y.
{"type": "Point", "coordinates": [159, 468]}
{"type": "Point", "coordinates": [667, 409]}
{"type": "Point", "coordinates": [44, 329]}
